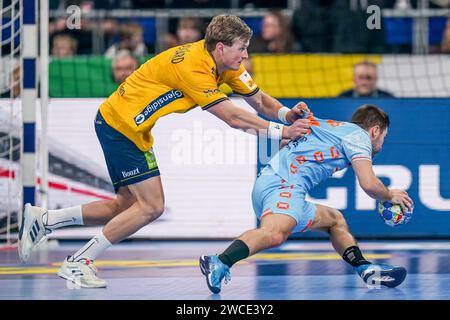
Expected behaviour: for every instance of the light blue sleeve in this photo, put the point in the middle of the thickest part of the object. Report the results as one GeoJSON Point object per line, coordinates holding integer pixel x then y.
{"type": "Point", "coordinates": [357, 145]}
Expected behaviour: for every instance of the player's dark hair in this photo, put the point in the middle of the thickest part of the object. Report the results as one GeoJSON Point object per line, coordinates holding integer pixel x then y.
{"type": "Point", "coordinates": [369, 115]}
{"type": "Point", "coordinates": [226, 29]}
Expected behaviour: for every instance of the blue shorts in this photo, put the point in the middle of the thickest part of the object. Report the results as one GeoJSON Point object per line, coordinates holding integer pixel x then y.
{"type": "Point", "coordinates": [272, 194]}
{"type": "Point", "coordinates": [126, 163]}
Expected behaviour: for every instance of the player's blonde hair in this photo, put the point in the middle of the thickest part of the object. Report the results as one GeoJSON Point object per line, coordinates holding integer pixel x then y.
{"type": "Point", "coordinates": [226, 29]}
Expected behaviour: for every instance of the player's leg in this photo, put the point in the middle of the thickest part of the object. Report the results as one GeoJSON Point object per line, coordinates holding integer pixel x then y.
{"type": "Point", "coordinates": [39, 222]}
{"type": "Point", "coordinates": [101, 212]}
{"type": "Point", "coordinates": [274, 230]}
{"type": "Point", "coordinates": [333, 222]}
{"type": "Point", "coordinates": [283, 213]}
{"type": "Point", "coordinates": [149, 206]}
{"type": "Point", "coordinates": [136, 170]}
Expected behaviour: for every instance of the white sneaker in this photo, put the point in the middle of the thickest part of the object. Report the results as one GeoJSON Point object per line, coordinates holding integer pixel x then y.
{"type": "Point", "coordinates": [82, 274]}
{"type": "Point", "coordinates": [31, 232]}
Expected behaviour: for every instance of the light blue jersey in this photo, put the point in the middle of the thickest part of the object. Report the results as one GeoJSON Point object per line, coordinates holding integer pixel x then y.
{"type": "Point", "coordinates": [330, 146]}
{"type": "Point", "coordinates": [281, 187]}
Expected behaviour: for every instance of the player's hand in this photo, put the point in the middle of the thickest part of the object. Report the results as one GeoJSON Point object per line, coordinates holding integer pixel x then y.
{"type": "Point", "coordinates": [401, 197]}
{"type": "Point", "coordinates": [296, 130]}
{"type": "Point", "coordinates": [297, 112]}
{"type": "Point", "coordinates": [283, 143]}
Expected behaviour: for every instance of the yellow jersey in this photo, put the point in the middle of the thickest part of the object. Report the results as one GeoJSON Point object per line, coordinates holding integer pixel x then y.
{"type": "Point", "coordinates": [175, 80]}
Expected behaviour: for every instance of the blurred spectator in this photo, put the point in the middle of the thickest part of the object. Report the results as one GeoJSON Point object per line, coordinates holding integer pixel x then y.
{"type": "Point", "coordinates": [188, 30]}
{"type": "Point", "coordinates": [123, 65]}
{"type": "Point", "coordinates": [263, 4]}
{"type": "Point", "coordinates": [350, 18]}
{"type": "Point", "coordinates": [275, 35]}
{"type": "Point", "coordinates": [312, 26]}
{"type": "Point", "coordinates": [9, 81]}
{"type": "Point", "coordinates": [365, 82]}
{"type": "Point", "coordinates": [445, 43]}
{"type": "Point", "coordinates": [131, 39]}
{"type": "Point", "coordinates": [325, 26]}
{"type": "Point", "coordinates": [82, 33]}
{"type": "Point", "coordinates": [200, 4]}
{"type": "Point", "coordinates": [64, 45]}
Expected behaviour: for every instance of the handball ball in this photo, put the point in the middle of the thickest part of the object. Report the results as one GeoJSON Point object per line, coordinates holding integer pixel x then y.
{"type": "Point", "coordinates": [392, 213]}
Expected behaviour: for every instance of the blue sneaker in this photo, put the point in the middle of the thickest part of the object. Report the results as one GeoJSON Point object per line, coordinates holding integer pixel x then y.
{"type": "Point", "coordinates": [375, 275]}
{"type": "Point", "coordinates": [214, 270]}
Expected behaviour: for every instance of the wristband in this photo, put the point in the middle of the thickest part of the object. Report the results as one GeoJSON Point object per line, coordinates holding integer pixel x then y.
{"type": "Point", "coordinates": [282, 114]}
{"type": "Point", "coordinates": [275, 130]}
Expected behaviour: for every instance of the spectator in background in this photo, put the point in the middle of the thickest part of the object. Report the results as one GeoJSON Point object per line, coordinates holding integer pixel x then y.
{"type": "Point", "coordinates": [189, 29]}
{"type": "Point", "coordinates": [445, 43]}
{"type": "Point", "coordinates": [64, 45]}
{"type": "Point", "coordinates": [123, 65]}
{"type": "Point", "coordinates": [365, 82]}
{"type": "Point", "coordinates": [9, 81]}
{"type": "Point", "coordinates": [275, 35]}
{"type": "Point", "coordinates": [312, 26]}
{"type": "Point", "coordinates": [199, 3]}
{"type": "Point", "coordinates": [131, 39]}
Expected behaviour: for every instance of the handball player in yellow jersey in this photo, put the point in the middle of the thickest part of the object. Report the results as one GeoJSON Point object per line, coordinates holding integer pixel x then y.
{"type": "Point", "coordinates": [174, 81]}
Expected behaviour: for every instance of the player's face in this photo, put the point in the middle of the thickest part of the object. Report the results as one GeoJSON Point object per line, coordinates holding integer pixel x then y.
{"type": "Point", "coordinates": [378, 137]}
{"type": "Point", "coordinates": [234, 55]}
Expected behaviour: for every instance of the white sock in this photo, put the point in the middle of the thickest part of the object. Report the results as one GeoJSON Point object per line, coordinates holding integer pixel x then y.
{"type": "Point", "coordinates": [92, 249]}
{"type": "Point", "coordinates": [54, 219]}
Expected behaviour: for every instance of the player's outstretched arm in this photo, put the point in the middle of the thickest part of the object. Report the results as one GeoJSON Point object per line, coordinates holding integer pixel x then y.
{"type": "Point", "coordinates": [239, 118]}
{"type": "Point", "coordinates": [273, 109]}
{"type": "Point", "coordinates": [376, 189]}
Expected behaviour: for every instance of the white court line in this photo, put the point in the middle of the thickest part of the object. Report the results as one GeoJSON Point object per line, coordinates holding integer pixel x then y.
{"type": "Point", "coordinates": [326, 246]}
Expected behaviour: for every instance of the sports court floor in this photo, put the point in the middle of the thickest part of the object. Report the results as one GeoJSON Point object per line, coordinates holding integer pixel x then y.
{"type": "Point", "coordinates": [298, 270]}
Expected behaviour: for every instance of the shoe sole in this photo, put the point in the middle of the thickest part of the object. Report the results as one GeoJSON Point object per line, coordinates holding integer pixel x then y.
{"type": "Point", "coordinates": [203, 269]}
{"type": "Point", "coordinates": [397, 273]}
{"type": "Point", "coordinates": [68, 278]}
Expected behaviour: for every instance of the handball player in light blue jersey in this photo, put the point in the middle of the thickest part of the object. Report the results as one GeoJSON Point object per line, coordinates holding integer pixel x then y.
{"type": "Point", "coordinates": [281, 187]}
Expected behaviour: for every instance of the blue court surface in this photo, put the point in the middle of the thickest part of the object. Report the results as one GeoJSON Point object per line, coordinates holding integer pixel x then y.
{"type": "Point", "coordinates": [298, 270]}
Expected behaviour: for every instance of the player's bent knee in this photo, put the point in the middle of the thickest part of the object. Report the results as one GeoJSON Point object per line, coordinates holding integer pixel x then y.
{"type": "Point", "coordinates": [153, 212]}
{"type": "Point", "coordinates": [339, 219]}
{"type": "Point", "coordinates": [276, 238]}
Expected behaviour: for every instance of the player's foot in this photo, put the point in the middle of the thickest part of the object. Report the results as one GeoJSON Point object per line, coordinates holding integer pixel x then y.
{"type": "Point", "coordinates": [214, 271]}
{"type": "Point", "coordinates": [81, 273]}
{"type": "Point", "coordinates": [32, 231]}
{"type": "Point", "coordinates": [381, 274]}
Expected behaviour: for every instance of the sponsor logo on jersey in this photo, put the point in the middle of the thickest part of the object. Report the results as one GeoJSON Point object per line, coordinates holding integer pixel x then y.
{"type": "Point", "coordinates": [247, 80]}
{"type": "Point", "coordinates": [179, 53]}
{"type": "Point", "coordinates": [157, 104]}
{"type": "Point", "coordinates": [211, 92]}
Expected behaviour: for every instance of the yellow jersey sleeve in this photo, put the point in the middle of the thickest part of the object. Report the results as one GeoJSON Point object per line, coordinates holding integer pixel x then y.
{"type": "Point", "coordinates": [200, 85]}
{"type": "Point", "coordinates": [241, 82]}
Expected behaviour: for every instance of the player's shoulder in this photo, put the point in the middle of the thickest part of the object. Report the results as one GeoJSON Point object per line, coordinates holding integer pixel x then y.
{"type": "Point", "coordinates": [192, 56]}
{"type": "Point", "coordinates": [355, 134]}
